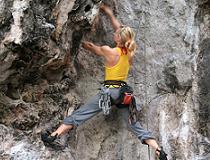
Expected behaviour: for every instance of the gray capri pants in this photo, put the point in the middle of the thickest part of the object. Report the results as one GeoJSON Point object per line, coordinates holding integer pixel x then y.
{"type": "Point", "coordinates": [91, 108]}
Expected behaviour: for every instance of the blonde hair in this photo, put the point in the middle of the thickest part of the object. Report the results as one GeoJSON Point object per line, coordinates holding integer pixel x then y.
{"type": "Point", "coordinates": [127, 36]}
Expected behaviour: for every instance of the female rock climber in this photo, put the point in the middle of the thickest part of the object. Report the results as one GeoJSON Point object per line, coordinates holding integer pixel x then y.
{"type": "Point", "coordinates": [117, 63]}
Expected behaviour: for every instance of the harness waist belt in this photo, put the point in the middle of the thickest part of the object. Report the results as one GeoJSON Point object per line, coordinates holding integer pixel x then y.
{"type": "Point", "coordinates": [112, 86]}
{"type": "Point", "coordinates": [114, 83]}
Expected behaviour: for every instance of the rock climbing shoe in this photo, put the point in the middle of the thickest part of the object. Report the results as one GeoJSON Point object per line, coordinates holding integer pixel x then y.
{"type": "Point", "coordinates": [163, 155]}
{"type": "Point", "coordinates": [52, 141]}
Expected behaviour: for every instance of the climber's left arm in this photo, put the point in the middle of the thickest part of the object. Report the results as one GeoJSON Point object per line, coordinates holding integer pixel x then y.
{"type": "Point", "coordinates": [99, 50]}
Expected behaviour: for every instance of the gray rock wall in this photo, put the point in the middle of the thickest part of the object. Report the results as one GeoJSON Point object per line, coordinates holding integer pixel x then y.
{"type": "Point", "coordinates": [45, 74]}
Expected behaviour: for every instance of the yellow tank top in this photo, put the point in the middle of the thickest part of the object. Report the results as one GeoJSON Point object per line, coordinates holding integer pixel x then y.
{"type": "Point", "coordinates": [120, 70]}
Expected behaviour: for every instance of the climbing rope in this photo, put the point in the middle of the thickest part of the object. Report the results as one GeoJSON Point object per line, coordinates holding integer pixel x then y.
{"type": "Point", "coordinates": [145, 79]}
{"type": "Point", "coordinates": [146, 96]}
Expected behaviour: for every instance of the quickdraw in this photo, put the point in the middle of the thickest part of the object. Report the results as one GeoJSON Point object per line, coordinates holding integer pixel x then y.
{"type": "Point", "coordinates": [105, 100]}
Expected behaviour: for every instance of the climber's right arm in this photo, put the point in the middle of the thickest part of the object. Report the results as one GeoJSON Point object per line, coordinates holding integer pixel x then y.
{"type": "Point", "coordinates": [115, 23]}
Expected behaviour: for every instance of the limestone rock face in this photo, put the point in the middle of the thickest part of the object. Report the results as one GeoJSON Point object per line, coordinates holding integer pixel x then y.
{"type": "Point", "coordinates": [45, 74]}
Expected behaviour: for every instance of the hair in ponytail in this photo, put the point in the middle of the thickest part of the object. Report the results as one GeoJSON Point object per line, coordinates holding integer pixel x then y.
{"type": "Point", "coordinates": [128, 41]}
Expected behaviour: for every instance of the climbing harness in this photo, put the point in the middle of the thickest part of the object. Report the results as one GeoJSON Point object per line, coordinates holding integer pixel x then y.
{"type": "Point", "coordinates": [125, 98]}
{"type": "Point", "coordinates": [105, 100]}
{"type": "Point", "coordinates": [116, 83]}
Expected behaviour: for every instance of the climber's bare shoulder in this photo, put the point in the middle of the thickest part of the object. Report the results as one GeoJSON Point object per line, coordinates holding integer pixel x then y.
{"type": "Point", "coordinates": [104, 51]}
{"type": "Point", "coordinates": [108, 51]}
